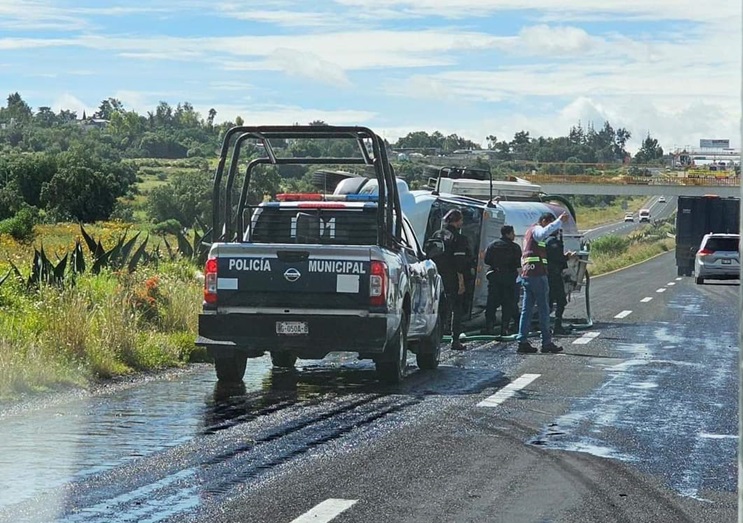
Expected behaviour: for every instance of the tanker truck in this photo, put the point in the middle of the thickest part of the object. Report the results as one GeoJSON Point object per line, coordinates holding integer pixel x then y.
{"type": "Point", "coordinates": [483, 219]}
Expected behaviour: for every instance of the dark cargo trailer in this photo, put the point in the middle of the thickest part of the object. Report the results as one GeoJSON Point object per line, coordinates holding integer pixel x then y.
{"type": "Point", "coordinates": [697, 216]}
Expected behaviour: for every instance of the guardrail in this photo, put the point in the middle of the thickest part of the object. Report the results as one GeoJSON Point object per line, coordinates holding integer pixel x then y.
{"type": "Point", "coordinates": [708, 181]}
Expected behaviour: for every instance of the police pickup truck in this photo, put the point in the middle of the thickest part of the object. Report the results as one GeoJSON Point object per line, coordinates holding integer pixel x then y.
{"type": "Point", "coordinates": [312, 274]}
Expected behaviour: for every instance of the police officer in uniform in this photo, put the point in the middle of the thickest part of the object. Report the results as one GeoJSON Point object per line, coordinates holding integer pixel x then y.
{"type": "Point", "coordinates": [503, 256]}
{"type": "Point", "coordinates": [453, 266]}
{"type": "Point", "coordinates": [557, 261]}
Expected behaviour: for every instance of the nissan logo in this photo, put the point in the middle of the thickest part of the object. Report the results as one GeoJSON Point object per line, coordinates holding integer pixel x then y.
{"type": "Point", "coordinates": [292, 274]}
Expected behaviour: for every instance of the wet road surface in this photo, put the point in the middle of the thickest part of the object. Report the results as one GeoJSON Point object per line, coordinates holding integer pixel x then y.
{"type": "Point", "coordinates": [636, 422]}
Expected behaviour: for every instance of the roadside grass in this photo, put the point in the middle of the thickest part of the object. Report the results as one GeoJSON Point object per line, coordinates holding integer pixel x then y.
{"type": "Point", "coordinates": [612, 252]}
{"type": "Point", "coordinates": [589, 217]}
{"type": "Point", "coordinates": [106, 325]}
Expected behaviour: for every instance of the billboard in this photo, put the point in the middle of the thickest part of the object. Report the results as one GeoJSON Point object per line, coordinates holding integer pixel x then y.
{"type": "Point", "coordinates": [714, 144]}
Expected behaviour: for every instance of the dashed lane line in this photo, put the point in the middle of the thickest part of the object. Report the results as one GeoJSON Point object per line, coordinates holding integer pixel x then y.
{"type": "Point", "coordinates": [586, 338]}
{"type": "Point", "coordinates": [662, 289]}
{"type": "Point", "coordinates": [671, 283]}
{"type": "Point", "coordinates": [508, 391]}
{"type": "Point", "coordinates": [326, 511]}
{"type": "Point", "coordinates": [679, 279]}
{"type": "Point", "coordinates": [623, 314]}
{"type": "Point", "coordinates": [645, 300]}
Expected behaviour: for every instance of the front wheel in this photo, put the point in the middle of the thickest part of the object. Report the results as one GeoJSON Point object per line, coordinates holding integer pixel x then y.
{"type": "Point", "coordinates": [285, 360]}
{"type": "Point", "coordinates": [230, 369]}
{"type": "Point", "coordinates": [391, 365]}
{"type": "Point", "coordinates": [429, 348]}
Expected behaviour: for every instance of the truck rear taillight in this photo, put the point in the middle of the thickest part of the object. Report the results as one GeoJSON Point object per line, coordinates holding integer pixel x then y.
{"type": "Point", "coordinates": [210, 281]}
{"type": "Point", "coordinates": [378, 284]}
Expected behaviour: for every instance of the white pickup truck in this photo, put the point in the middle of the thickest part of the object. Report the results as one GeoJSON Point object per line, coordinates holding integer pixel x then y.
{"type": "Point", "coordinates": [311, 274]}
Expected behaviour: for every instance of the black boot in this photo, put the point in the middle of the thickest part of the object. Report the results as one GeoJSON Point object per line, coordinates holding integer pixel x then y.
{"type": "Point", "coordinates": [559, 329]}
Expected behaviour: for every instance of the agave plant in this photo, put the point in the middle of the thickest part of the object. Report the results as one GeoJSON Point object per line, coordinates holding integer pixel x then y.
{"type": "Point", "coordinates": [119, 256]}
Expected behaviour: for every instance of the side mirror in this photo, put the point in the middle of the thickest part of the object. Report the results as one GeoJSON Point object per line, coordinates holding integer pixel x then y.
{"type": "Point", "coordinates": [433, 248]}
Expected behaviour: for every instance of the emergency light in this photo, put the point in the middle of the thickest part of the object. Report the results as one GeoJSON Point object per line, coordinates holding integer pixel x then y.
{"type": "Point", "coordinates": [317, 197]}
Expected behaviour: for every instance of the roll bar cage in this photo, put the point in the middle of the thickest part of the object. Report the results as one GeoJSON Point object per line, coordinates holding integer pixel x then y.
{"type": "Point", "coordinates": [225, 221]}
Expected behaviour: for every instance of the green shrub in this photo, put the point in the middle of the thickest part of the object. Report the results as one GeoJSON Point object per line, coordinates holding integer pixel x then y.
{"type": "Point", "coordinates": [610, 245]}
{"type": "Point", "coordinates": [20, 226]}
{"type": "Point", "coordinates": [171, 226]}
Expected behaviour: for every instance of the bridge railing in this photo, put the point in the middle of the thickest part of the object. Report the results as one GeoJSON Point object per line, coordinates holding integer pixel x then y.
{"type": "Point", "coordinates": [710, 181]}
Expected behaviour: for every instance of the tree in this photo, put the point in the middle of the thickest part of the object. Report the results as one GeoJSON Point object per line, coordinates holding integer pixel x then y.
{"type": "Point", "coordinates": [649, 152]}
{"type": "Point", "coordinates": [16, 110]}
{"type": "Point", "coordinates": [45, 117]}
{"type": "Point", "coordinates": [108, 107]}
{"type": "Point", "coordinates": [212, 116]}
{"type": "Point", "coordinates": [186, 197]}
{"type": "Point", "coordinates": [80, 193]}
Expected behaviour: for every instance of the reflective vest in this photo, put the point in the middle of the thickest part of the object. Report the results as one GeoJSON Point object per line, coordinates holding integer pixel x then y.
{"type": "Point", "coordinates": [534, 257]}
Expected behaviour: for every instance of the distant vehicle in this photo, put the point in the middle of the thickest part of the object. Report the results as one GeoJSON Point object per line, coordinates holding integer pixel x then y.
{"type": "Point", "coordinates": [718, 258]}
{"type": "Point", "coordinates": [661, 199]}
{"type": "Point", "coordinates": [644, 215]}
{"type": "Point", "coordinates": [629, 217]}
{"type": "Point", "coordinates": [697, 216]}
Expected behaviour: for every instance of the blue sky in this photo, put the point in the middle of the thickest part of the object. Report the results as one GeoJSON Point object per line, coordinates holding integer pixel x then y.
{"type": "Point", "coordinates": [471, 67]}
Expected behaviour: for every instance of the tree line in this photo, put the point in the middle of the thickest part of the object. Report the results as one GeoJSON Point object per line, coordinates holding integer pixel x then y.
{"type": "Point", "coordinates": [62, 166]}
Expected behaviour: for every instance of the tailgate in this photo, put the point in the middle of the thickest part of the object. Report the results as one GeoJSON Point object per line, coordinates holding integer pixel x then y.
{"type": "Point", "coordinates": [293, 276]}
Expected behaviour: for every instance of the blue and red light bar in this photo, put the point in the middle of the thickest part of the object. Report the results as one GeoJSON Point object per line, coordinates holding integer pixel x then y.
{"type": "Point", "coordinates": [317, 197]}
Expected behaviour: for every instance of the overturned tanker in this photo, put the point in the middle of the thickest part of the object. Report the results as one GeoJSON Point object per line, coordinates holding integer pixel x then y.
{"type": "Point", "coordinates": [515, 203]}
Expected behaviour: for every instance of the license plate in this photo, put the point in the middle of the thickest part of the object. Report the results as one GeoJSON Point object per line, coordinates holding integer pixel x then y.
{"type": "Point", "coordinates": [726, 262]}
{"type": "Point", "coordinates": [292, 328]}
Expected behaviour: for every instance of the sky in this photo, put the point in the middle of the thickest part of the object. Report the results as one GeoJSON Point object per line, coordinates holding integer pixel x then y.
{"type": "Point", "coordinates": [668, 68]}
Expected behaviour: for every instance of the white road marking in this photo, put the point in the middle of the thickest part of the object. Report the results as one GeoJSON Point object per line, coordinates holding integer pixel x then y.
{"type": "Point", "coordinates": [645, 300]}
{"type": "Point", "coordinates": [662, 289]}
{"type": "Point", "coordinates": [671, 283]}
{"type": "Point", "coordinates": [623, 314]}
{"type": "Point", "coordinates": [586, 338]}
{"type": "Point", "coordinates": [508, 391]}
{"type": "Point", "coordinates": [679, 279]}
{"type": "Point", "coordinates": [326, 511]}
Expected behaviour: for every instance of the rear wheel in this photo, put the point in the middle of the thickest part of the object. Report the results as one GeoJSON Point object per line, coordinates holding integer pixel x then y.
{"type": "Point", "coordinates": [699, 280]}
{"type": "Point", "coordinates": [230, 369]}
{"type": "Point", "coordinates": [285, 360]}
{"type": "Point", "coordinates": [391, 365]}
{"type": "Point", "coordinates": [429, 348]}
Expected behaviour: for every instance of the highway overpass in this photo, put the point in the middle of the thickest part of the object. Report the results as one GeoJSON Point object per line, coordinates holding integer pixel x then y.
{"type": "Point", "coordinates": [641, 186]}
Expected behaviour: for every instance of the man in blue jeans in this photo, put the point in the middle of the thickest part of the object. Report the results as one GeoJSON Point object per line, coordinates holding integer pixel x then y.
{"type": "Point", "coordinates": [535, 284]}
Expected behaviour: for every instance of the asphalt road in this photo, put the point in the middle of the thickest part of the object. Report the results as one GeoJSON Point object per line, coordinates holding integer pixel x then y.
{"type": "Point", "coordinates": [658, 211]}
{"type": "Point", "coordinates": [636, 422]}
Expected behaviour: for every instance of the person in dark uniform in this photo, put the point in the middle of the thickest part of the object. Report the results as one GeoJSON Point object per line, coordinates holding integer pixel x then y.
{"type": "Point", "coordinates": [557, 261]}
{"type": "Point", "coordinates": [503, 256]}
{"type": "Point", "coordinates": [453, 265]}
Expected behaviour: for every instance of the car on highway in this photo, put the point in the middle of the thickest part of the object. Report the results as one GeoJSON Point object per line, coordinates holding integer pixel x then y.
{"type": "Point", "coordinates": [629, 217]}
{"type": "Point", "coordinates": [644, 215]}
{"type": "Point", "coordinates": [661, 199]}
{"type": "Point", "coordinates": [718, 258]}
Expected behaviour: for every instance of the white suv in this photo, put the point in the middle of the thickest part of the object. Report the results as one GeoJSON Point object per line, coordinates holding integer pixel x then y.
{"type": "Point", "coordinates": [718, 258]}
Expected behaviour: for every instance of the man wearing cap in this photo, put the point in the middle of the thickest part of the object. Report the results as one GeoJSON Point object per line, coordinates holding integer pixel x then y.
{"type": "Point", "coordinates": [535, 284]}
{"type": "Point", "coordinates": [453, 264]}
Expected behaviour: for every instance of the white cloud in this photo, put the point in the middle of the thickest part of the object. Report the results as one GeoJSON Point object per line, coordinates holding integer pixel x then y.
{"type": "Point", "coordinates": [72, 103]}
{"type": "Point", "coordinates": [280, 17]}
{"type": "Point", "coordinates": [712, 10]}
{"type": "Point", "coordinates": [543, 39]}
